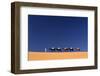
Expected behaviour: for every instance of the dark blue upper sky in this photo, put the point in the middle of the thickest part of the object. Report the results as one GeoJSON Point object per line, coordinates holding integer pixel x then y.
{"type": "Point", "coordinates": [57, 31]}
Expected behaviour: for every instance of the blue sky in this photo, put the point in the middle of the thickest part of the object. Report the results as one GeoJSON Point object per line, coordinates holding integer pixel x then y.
{"type": "Point", "coordinates": [57, 31]}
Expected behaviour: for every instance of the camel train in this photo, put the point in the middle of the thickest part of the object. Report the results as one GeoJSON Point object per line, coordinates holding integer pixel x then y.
{"type": "Point", "coordinates": [64, 49]}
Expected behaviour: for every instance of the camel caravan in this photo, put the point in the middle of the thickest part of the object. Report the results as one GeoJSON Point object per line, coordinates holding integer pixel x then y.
{"type": "Point", "coordinates": [63, 49]}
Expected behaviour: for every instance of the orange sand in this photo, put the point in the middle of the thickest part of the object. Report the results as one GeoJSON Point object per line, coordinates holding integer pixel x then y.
{"type": "Point", "coordinates": [56, 55]}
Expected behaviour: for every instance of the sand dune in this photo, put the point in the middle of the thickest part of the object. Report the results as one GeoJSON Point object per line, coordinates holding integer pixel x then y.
{"type": "Point", "coordinates": [56, 55]}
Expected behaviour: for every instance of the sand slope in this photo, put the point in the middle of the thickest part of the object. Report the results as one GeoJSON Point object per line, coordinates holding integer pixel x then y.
{"type": "Point", "coordinates": [56, 55]}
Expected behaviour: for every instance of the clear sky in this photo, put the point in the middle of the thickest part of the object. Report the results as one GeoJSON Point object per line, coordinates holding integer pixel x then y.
{"type": "Point", "coordinates": [57, 31]}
